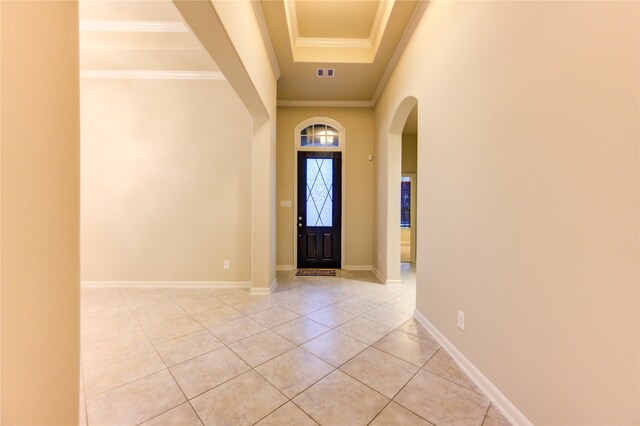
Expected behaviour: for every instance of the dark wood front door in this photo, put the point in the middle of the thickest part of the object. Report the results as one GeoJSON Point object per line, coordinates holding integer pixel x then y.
{"type": "Point", "coordinates": [319, 209]}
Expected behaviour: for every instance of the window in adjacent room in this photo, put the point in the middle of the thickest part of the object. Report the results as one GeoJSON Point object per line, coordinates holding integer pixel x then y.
{"type": "Point", "coordinates": [405, 202]}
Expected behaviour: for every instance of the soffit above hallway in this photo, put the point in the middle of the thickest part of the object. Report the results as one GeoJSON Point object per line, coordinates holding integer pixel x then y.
{"type": "Point", "coordinates": [360, 39]}
{"type": "Point", "coordinates": [140, 39]}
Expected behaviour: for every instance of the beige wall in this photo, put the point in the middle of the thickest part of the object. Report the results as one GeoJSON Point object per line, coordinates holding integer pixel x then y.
{"type": "Point", "coordinates": [230, 32]}
{"type": "Point", "coordinates": [166, 181]}
{"type": "Point", "coordinates": [409, 153]}
{"type": "Point", "coordinates": [357, 187]}
{"type": "Point", "coordinates": [405, 236]}
{"type": "Point", "coordinates": [528, 197]}
{"type": "Point", "coordinates": [40, 147]}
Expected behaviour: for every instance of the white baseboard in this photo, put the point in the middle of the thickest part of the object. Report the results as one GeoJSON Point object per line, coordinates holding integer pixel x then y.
{"type": "Point", "coordinates": [378, 274]}
{"type": "Point", "coordinates": [498, 399]}
{"type": "Point", "coordinates": [259, 291]}
{"type": "Point", "coordinates": [285, 267]}
{"type": "Point", "coordinates": [393, 282]}
{"type": "Point", "coordinates": [357, 267]}
{"type": "Point", "coordinates": [166, 284]}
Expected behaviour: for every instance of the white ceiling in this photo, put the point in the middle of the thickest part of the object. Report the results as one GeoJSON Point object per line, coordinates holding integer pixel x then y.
{"type": "Point", "coordinates": [359, 39]}
{"type": "Point", "coordinates": [137, 37]}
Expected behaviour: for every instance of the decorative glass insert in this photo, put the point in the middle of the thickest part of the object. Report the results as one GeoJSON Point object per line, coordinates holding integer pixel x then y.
{"type": "Point", "coordinates": [319, 192]}
{"type": "Point", "coordinates": [319, 136]}
{"type": "Point", "coordinates": [405, 202]}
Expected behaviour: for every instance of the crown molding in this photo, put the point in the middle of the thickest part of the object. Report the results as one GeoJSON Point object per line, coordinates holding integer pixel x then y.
{"type": "Point", "coordinates": [336, 103]}
{"type": "Point", "coordinates": [150, 75]}
{"type": "Point", "coordinates": [360, 43]}
{"type": "Point", "coordinates": [91, 25]}
{"type": "Point", "coordinates": [264, 30]}
{"type": "Point", "coordinates": [380, 23]}
{"type": "Point", "coordinates": [406, 36]}
{"type": "Point", "coordinates": [319, 49]}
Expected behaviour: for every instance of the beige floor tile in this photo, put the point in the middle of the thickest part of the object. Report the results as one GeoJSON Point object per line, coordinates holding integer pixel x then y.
{"type": "Point", "coordinates": [288, 414]}
{"type": "Point", "coordinates": [182, 415]}
{"type": "Point", "coordinates": [305, 306]}
{"type": "Point", "coordinates": [376, 297]}
{"type": "Point", "coordinates": [334, 348]}
{"type": "Point", "coordinates": [328, 297]}
{"type": "Point", "coordinates": [185, 295]}
{"type": "Point", "coordinates": [218, 316]}
{"type": "Point", "coordinates": [402, 304]}
{"type": "Point", "coordinates": [108, 322]}
{"type": "Point", "coordinates": [365, 330]}
{"type": "Point", "coordinates": [207, 371]}
{"type": "Point", "coordinates": [281, 296]}
{"type": "Point", "coordinates": [300, 330]}
{"type": "Point", "coordinates": [231, 296]}
{"type": "Point", "coordinates": [395, 415]}
{"type": "Point", "coordinates": [331, 316]}
{"type": "Point", "coordinates": [441, 401]}
{"type": "Point", "coordinates": [98, 350]}
{"type": "Point", "coordinates": [186, 347]}
{"type": "Point", "coordinates": [140, 298]}
{"type": "Point", "coordinates": [354, 305]}
{"type": "Point", "coordinates": [340, 400]}
{"type": "Point", "coordinates": [412, 326]}
{"type": "Point", "coordinates": [82, 395]}
{"type": "Point", "coordinates": [495, 418]}
{"type": "Point", "coordinates": [235, 330]}
{"type": "Point", "coordinates": [98, 299]}
{"type": "Point", "coordinates": [274, 316]}
{"type": "Point", "coordinates": [171, 329]}
{"type": "Point", "coordinates": [407, 347]}
{"type": "Point", "coordinates": [261, 347]}
{"type": "Point", "coordinates": [349, 289]}
{"type": "Point", "coordinates": [444, 366]}
{"type": "Point", "coordinates": [117, 371]}
{"type": "Point", "coordinates": [254, 305]}
{"type": "Point", "coordinates": [157, 314]}
{"type": "Point", "coordinates": [241, 401]}
{"type": "Point", "coordinates": [82, 414]}
{"type": "Point", "coordinates": [202, 305]}
{"type": "Point", "coordinates": [135, 402]}
{"type": "Point", "coordinates": [387, 316]}
{"type": "Point", "coordinates": [383, 372]}
{"type": "Point", "coordinates": [294, 371]}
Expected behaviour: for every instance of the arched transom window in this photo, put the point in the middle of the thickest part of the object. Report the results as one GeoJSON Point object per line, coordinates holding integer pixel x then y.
{"type": "Point", "coordinates": [320, 133]}
{"type": "Point", "coordinates": [319, 136]}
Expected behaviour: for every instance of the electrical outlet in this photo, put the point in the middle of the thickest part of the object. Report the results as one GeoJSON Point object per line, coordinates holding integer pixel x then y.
{"type": "Point", "coordinates": [461, 320]}
{"type": "Point", "coordinates": [227, 264]}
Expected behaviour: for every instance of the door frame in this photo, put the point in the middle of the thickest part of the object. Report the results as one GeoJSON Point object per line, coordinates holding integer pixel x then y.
{"type": "Point", "coordinates": [296, 147]}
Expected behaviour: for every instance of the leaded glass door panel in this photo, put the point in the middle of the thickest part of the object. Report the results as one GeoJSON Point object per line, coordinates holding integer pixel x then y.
{"type": "Point", "coordinates": [319, 209]}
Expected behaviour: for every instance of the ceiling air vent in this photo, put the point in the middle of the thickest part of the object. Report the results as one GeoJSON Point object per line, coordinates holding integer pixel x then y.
{"type": "Point", "coordinates": [325, 72]}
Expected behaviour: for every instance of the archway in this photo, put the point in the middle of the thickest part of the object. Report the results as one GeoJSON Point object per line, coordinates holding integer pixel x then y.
{"type": "Point", "coordinates": [394, 175]}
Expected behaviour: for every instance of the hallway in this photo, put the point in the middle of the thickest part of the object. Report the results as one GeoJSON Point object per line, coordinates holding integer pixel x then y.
{"type": "Point", "coordinates": [341, 350]}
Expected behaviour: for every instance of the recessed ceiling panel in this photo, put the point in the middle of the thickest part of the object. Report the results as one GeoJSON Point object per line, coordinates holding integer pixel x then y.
{"type": "Point", "coordinates": [336, 19]}
{"type": "Point", "coordinates": [357, 74]}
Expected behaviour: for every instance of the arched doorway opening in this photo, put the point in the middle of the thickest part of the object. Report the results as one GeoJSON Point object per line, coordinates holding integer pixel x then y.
{"type": "Point", "coordinates": [403, 133]}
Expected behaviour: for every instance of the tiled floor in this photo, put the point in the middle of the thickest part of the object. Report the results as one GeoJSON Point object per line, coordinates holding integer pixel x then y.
{"type": "Point", "coordinates": [321, 350]}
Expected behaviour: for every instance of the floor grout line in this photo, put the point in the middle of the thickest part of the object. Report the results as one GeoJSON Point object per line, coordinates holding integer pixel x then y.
{"type": "Point", "coordinates": [322, 288]}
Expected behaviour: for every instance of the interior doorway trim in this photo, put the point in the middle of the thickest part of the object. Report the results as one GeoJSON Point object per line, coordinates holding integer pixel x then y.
{"type": "Point", "coordinates": [296, 148]}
